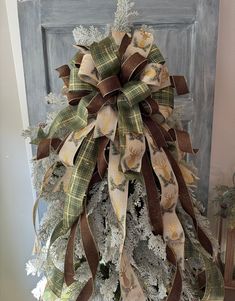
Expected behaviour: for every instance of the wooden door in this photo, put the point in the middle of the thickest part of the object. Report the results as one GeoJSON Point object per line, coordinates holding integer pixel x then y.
{"type": "Point", "coordinates": [186, 33]}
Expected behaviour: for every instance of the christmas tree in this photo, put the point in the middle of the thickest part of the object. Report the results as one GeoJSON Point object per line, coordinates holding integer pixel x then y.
{"type": "Point", "coordinates": [122, 220]}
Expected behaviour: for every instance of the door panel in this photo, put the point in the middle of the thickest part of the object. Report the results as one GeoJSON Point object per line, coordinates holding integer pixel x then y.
{"type": "Point", "coordinates": [185, 31]}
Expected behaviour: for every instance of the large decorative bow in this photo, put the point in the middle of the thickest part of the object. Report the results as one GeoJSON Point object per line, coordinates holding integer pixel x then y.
{"type": "Point", "coordinates": [120, 93]}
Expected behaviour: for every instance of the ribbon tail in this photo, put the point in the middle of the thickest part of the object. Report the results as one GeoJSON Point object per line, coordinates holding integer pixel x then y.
{"type": "Point", "coordinates": [118, 191]}
{"type": "Point", "coordinates": [156, 220]}
{"type": "Point", "coordinates": [55, 278]}
{"type": "Point", "coordinates": [92, 256]}
{"type": "Point", "coordinates": [79, 183]}
{"type": "Point", "coordinates": [172, 229]}
{"type": "Point", "coordinates": [176, 289]}
{"type": "Point", "coordinates": [187, 204]}
{"type": "Point", "coordinates": [69, 271]}
{"type": "Point", "coordinates": [214, 281]}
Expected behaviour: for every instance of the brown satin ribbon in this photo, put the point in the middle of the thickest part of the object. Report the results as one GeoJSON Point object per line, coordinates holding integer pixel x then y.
{"type": "Point", "coordinates": [109, 85]}
{"type": "Point", "coordinates": [153, 197]}
{"type": "Point", "coordinates": [149, 107]}
{"type": "Point", "coordinates": [78, 59]}
{"type": "Point", "coordinates": [74, 97]}
{"type": "Point", "coordinates": [92, 256]}
{"type": "Point", "coordinates": [45, 146]}
{"type": "Point", "coordinates": [96, 104]}
{"type": "Point", "coordinates": [179, 83]}
{"type": "Point", "coordinates": [69, 260]}
{"type": "Point", "coordinates": [102, 163]}
{"type": "Point", "coordinates": [132, 66]}
{"type": "Point", "coordinates": [126, 40]}
{"type": "Point", "coordinates": [183, 140]}
{"type": "Point", "coordinates": [64, 73]}
{"type": "Point", "coordinates": [156, 131]}
{"type": "Point", "coordinates": [176, 289]}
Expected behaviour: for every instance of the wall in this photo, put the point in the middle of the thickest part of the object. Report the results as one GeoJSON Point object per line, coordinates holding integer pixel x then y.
{"type": "Point", "coordinates": [223, 138]}
{"type": "Point", "coordinates": [16, 233]}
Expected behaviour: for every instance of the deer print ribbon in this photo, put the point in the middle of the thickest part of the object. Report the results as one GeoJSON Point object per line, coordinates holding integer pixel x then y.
{"type": "Point", "coordinates": [120, 94]}
{"type": "Point", "coordinates": [118, 192]}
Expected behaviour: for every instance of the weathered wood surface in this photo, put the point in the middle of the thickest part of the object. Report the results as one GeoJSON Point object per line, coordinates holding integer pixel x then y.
{"type": "Point", "coordinates": [185, 30]}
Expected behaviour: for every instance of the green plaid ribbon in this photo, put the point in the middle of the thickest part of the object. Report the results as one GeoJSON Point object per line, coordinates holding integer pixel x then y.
{"type": "Point", "coordinates": [72, 117]}
{"type": "Point", "coordinates": [55, 278]}
{"type": "Point", "coordinates": [75, 84]}
{"type": "Point", "coordinates": [82, 173]}
{"type": "Point", "coordinates": [214, 280]}
{"type": "Point", "coordinates": [63, 119]}
{"type": "Point", "coordinates": [164, 97]}
{"type": "Point", "coordinates": [129, 118]}
{"type": "Point", "coordinates": [105, 57]}
{"type": "Point", "coordinates": [74, 59]}
{"type": "Point", "coordinates": [135, 92]}
{"type": "Point", "coordinates": [155, 55]}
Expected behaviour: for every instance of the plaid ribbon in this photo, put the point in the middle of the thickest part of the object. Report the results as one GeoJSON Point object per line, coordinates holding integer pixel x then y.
{"type": "Point", "coordinates": [71, 118]}
{"type": "Point", "coordinates": [135, 92]}
{"type": "Point", "coordinates": [164, 97]}
{"type": "Point", "coordinates": [155, 55]}
{"type": "Point", "coordinates": [105, 57]}
{"type": "Point", "coordinates": [64, 119]}
{"type": "Point", "coordinates": [55, 278]}
{"type": "Point", "coordinates": [75, 84]}
{"type": "Point", "coordinates": [83, 171]}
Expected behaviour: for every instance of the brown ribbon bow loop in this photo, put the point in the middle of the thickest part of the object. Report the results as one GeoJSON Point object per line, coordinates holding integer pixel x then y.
{"type": "Point", "coordinates": [109, 86]}
{"type": "Point", "coordinates": [96, 103]}
{"type": "Point", "coordinates": [179, 83]}
{"type": "Point", "coordinates": [64, 73]}
{"type": "Point", "coordinates": [132, 66]}
{"type": "Point", "coordinates": [183, 140]}
{"type": "Point", "coordinates": [126, 40]}
{"type": "Point", "coordinates": [45, 146]}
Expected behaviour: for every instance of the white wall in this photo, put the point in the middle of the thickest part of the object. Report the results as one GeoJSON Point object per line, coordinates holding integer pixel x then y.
{"type": "Point", "coordinates": [223, 138]}
{"type": "Point", "coordinates": [16, 232]}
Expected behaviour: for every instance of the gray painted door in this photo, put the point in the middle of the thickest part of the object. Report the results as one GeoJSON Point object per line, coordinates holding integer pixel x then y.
{"type": "Point", "coordinates": [186, 32]}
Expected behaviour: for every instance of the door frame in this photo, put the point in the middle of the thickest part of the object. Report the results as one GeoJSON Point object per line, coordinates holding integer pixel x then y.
{"type": "Point", "coordinates": [14, 32]}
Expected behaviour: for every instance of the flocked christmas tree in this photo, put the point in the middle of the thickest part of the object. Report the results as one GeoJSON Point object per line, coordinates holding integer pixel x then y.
{"type": "Point", "coordinates": [122, 221]}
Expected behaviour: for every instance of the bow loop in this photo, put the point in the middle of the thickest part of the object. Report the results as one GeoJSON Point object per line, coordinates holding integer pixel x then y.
{"type": "Point", "coordinates": [105, 57]}
{"type": "Point", "coordinates": [109, 85]}
{"type": "Point", "coordinates": [135, 92]}
{"type": "Point", "coordinates": [132, 66]}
